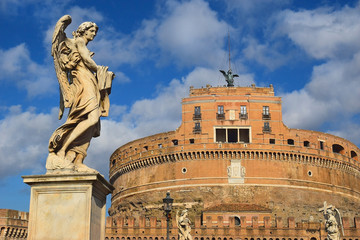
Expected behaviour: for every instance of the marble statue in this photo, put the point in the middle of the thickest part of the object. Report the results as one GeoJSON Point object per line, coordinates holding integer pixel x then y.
{"type": "Point", "coordinates": [229, 77]}
{"type": "Point", "coordinates": [332, 222]}
{"type": "Point", "coordinates": [84, 89]}
{"type": "Point", "coordinates": [183, 224]}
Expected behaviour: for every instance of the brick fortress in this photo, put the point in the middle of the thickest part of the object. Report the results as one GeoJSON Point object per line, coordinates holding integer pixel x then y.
{"type": "Point", "coordinates": [13, 224]}
{"type": "Point", "coordinates": [238, 170]}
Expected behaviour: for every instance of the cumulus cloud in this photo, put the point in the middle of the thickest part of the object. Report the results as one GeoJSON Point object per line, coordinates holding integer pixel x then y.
{"type": "Point", "coordinates": [184, 33]}
{"type": "Point", "coordinates": [17, 65]}
{"type": "Point", "coordinates": [331, 95]}
{"type": "Point", "coordinates": [264, 53]}
{"type": "Point", "coordinates": [24, 140]}
{"type": "Point", "coordinates": [323, 33]}
{"type": "Point", "coordinates": [192, 33]}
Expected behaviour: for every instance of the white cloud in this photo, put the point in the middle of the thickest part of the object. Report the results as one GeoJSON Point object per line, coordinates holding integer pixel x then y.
{"type": "Point", "coordinates": [185, 33]}
{"type": "Point", "coordinates": [265, 54]}
{"type": "Point", "coordinates": [192, 34]}
{"type": "Point", "coordinates": [16, 64]}
{"type": "Point", "coordinates": [331, 96]}
{"type": "Point", "coordinates": [323, 33]}
{"type": "Point", "coordinates": [24, 140]}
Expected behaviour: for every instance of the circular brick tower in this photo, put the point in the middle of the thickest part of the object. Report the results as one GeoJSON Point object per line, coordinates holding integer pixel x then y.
{"type": "Point", "coordinates": [233, 148]}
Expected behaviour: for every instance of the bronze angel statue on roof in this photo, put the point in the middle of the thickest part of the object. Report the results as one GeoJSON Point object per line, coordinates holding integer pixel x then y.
{"type": "Point", "coordinates": [84, 89]}
{"type": "Point", "coordinates": [229, 77]}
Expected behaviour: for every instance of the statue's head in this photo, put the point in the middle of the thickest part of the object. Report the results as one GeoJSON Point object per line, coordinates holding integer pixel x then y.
{"type": "Point", "coordinates": [328, 213]}
{"type": "Point", "coordinates": [83, 28]}
{"type": "Point", "coordinates": [184, 212]}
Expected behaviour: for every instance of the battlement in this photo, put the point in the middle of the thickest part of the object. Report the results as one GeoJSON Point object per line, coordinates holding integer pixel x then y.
{"type": "Point", "coordinates": [232, 91]}
{"type": "Point", "coordinates": [152, 228]}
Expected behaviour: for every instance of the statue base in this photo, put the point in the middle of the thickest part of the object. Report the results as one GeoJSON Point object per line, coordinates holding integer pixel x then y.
{"type": "Point", "coordinates": [71, 206]}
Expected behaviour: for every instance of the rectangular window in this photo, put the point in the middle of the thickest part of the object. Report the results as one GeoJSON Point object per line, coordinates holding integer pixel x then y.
{"type": "Point", "coordinates": [321, 145]}
{"type": "Point", "coordinates": [243, 110]}
{"type": "Point", "coordinates": [272, 141]}
{"type": "Point", "coordinates": [243, 113]}
{"type": "Point", "coordinates": [266, 110]}
{"type": "Point", "coordinates": [232, 135]}
{"type": "Point", "coordinates": [197, 128]}
{"type": "Point", "coordinates": [197, 113]}
{"type": "Point", "coordinates": [220, 135]}
{"type": "Point", "coordinates": [220, 109]}
{"type": "Point", "coordinates": [244, 135]}
{"type": "Point", "coordinates": [197, 110]}
{"type": "Point", "coordinates": [220, 113]}
{"type": "Point", "coordinates": [266, 127]}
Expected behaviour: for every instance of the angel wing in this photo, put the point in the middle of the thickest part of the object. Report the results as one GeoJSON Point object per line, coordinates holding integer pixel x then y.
{"type": "Point", "coordinates": [58, 42]}
{"type": "Point", "coordinates": [223, 72]}
{"type": "Point", "coordinates": [235, 75]}
{"type": "Point", "coordinates": [339, 220]}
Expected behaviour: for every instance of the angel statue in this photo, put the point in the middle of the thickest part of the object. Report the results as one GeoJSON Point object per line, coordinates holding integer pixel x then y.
{"type": "Point", "coordinates": [183, 224]}
{"type": "Point", "coordinates": [84, 89]}
{"type": "Point", "coordinates": [332, 222]}
{"type": "Point", "coordinates": [229, 77]}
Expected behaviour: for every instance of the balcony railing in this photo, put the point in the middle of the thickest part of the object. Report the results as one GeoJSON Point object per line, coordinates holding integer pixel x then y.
{"type": "Point", "coordinates": [266, 116]}
{"type": "Point", "coordinates": [220, 116]}
{"type": "Point", "coordinates": [197, 116]}
{"type": "Point", "coordinates": [197, 130]}
{"type": "Point", "coordinates": [243, 116]}
{"type": "Point", "coordinates": [266, 129]}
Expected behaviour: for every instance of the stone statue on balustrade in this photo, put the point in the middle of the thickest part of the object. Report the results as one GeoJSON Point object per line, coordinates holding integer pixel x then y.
{"type": "Point", "coordinates": [183, 224]}
{"type": "Point", "coordinates": [84, 89]}
{"type": "Point", "coordinates": [333, 222]}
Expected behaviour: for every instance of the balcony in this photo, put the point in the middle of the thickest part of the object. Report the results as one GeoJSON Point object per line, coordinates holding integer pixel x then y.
{"type": "Point", "coordinates": [266, 129]}
{"type": "Point", "coordinates": [266, 116]}
{"type": "Point", "coordinates": [197, 116]}
{"type": "Point", "coordinates": [243, 116]}
{"type": "Point", "coordinates": [197, 130]}
{"type": "Point", "coordinates": [220, 116]}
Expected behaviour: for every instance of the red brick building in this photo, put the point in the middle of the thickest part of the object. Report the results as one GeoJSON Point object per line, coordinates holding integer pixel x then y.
{"type": "Point", "coordinates": [233, 148]}
{"type": "Point", "coordinates": [13, 224]}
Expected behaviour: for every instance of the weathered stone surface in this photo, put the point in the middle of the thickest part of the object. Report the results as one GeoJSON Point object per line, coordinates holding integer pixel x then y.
{"type": "Point", "coordinates": [69, 206]}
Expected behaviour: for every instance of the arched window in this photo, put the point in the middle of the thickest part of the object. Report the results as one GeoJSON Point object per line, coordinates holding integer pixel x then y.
{"type": "Point", "coordinates": [290, 141]}
{"type": "Point", "coordinates": [338, 148]}
{"type": "Point", "coordinates": [354, 155]}
{"type": "Point", "coordinates": [237, 221]}
{"type": "Point", "coordinates": [313, 238]}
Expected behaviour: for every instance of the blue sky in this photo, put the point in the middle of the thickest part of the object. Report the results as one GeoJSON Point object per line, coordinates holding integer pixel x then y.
{"type": "Point", "coordinates": [309, 50]}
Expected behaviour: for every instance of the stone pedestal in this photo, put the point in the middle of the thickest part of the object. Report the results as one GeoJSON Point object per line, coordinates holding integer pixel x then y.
{"type": "Point", "coordinates": [71, 206]}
